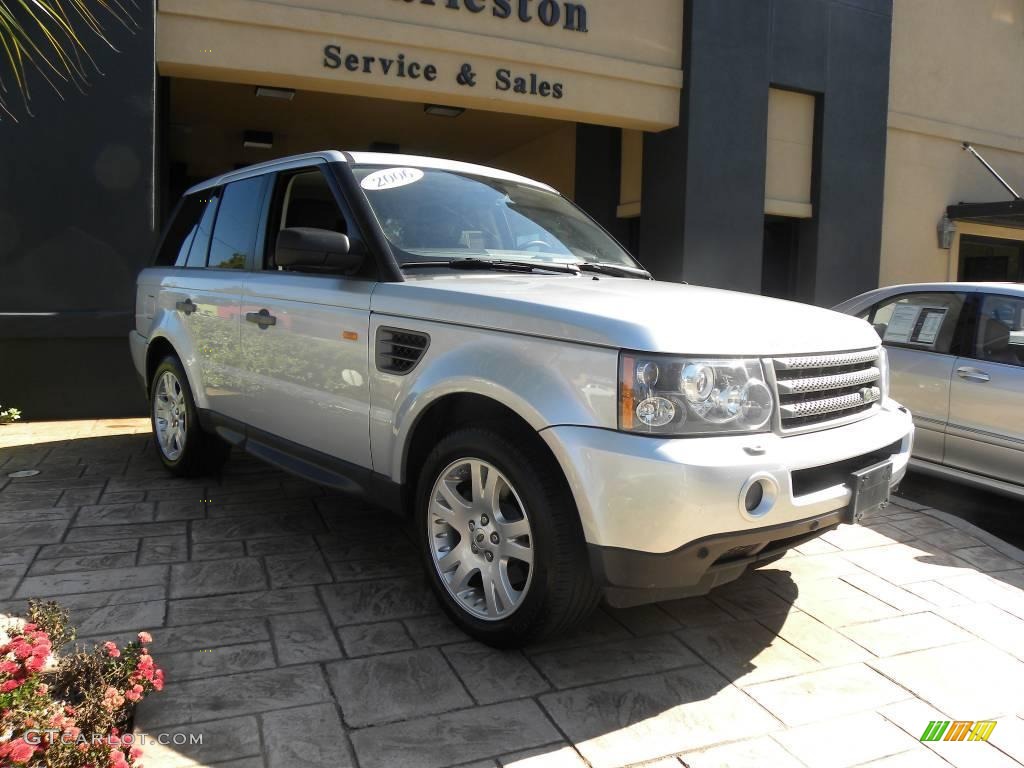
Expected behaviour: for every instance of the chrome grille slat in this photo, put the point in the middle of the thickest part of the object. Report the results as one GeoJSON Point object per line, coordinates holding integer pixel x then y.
{"type": "Point", "coordinates": [821, 389]}
{"type": "Point", "coordinates": [826, 361]}
{"type": "Point", "coordinates": [823, 406]}
{"type": "Point", "coordinates": [821, 383]}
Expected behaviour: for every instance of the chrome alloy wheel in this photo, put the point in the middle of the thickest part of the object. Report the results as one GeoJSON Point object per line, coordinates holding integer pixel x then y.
{"type": "Point", "coordinates": [480, 539]}
{"type": "Point", "coordinates": [170, 416]}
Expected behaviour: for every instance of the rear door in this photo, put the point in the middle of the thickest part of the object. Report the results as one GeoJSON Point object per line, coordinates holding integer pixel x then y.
{"type": "Point", "coordinates": [305, 336]}
{"type": "Point", "coordinates": [920, 333]}
{"type": "Point", "coordinates": [986, 412]}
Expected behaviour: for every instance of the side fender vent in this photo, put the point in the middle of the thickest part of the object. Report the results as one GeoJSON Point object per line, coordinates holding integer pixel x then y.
{"type": "Point", "coordinates": [399, 351]}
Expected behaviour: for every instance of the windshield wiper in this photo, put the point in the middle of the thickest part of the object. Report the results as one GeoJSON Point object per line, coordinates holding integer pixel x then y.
{"type": "Point", "coordinates": [504, 265]}
{"type": "Point", "coordinates": [615, 270]}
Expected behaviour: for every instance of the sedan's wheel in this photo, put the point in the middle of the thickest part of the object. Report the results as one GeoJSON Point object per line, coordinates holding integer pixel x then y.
{"type": "Point", "coordinates": [480, 539]}
{"type": "Point", "coordinates": [184, 448]}
{"type": "Point", "coordinates": [170, 417]}
{"type": "Point", "coordinates": [501, 537]}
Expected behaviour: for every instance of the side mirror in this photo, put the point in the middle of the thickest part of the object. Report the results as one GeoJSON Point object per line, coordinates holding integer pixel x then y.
{"type": "Point", "coordinates": [317, 250]}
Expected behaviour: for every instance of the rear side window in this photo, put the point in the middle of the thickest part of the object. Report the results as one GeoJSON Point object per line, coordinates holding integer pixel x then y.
{"type": "Point", "coordinates": [181, 232]}
{"type": "Point", "coordinates": [238, 220]}
{"type": "Point", "coordinates": [919, 320]}
{"type": "Point", "coordinates": [201, 242]}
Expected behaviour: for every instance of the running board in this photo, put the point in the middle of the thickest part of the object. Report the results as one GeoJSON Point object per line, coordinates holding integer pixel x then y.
{"type": "Point", "coordinates": [967, 478]}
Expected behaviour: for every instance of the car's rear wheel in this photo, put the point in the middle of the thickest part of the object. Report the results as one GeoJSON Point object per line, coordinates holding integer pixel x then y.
{"type": "Point", "coordinates": [501, 538]}
{"type": "Point", "coordinates": [182, 445]}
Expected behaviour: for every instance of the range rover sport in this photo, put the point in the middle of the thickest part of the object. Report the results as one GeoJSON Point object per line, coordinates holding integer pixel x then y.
{"type": "Point", "coordinates": [466, 346]}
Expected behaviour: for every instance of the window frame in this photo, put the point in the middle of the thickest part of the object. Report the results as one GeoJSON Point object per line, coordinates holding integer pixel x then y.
{"type": "Point", "coordinates": [957, 340]}
{"type": "Point", "coordinates": [274, 210]}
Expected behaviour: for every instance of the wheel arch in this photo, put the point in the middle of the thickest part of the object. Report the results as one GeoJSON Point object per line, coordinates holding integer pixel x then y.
{"type": "Point", "coordinates": [454, 411]}
{"type": "Point", "coordinates": [158, 348]}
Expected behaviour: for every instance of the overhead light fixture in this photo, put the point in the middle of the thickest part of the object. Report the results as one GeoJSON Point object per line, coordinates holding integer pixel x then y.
{"type": "Point", "coordinates": [267, 92]}
{"type": "Point", "coordinates": [440, 110]}
{"type": "Point", "coordinates": [258, 140]}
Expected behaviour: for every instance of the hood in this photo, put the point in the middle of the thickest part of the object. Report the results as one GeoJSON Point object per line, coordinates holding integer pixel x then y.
{"type": "Point", "coordinates": [625, 313]}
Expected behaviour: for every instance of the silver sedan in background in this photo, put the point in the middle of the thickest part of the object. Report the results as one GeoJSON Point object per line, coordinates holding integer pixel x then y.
{"type": "Point", "coordinates": [956, 356]}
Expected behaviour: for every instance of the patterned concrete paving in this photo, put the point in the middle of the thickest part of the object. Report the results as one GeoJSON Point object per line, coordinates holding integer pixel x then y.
{"type": "Point", "coordinates": [296, 629]}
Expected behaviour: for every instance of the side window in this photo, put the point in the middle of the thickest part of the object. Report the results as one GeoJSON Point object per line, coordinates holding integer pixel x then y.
{"type": "Point", "coordinates": [201, 242]}
{"type": "Point", "coordinates": [926, 321]}
{"type": "Point", "coordinates": [180, 233]}
{"type": "Point", "coordinates": [1000, 335]}
{"type": "Point", "coordinates": [234, 236]}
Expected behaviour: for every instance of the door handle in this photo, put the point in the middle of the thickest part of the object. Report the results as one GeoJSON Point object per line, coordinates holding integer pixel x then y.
{"type": "Point", "coordinates": [263, 319]}
{"type": "Point", "coordinates": [186, 306]}
{"type": "Point", "coordinates": [972, 374]}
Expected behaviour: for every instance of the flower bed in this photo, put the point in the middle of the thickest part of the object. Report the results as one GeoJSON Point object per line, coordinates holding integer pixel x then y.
{"type": "Point", "coordinates": [71, 710]}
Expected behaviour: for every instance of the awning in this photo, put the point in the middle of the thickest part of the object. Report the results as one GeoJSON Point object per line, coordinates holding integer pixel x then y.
{"type": "Point", "coordinates": [1005, 213]}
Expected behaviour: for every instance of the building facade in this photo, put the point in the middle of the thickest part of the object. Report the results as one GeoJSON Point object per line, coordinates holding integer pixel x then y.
{"type": "Point", "coordinates": [733, 143]}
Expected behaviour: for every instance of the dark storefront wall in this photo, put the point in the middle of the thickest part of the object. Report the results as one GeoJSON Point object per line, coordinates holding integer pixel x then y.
{"type": "Point", "coordinates": [76, 222]}
{"type": "Point", "coordinates": [703, 197]}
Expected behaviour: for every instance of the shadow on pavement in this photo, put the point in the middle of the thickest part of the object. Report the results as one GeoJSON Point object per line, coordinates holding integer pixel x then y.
{"type": "Point", "coordinates": [295, 625]}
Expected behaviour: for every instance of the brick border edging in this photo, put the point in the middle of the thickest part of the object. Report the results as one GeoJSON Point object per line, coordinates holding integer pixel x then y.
{"type": "Point", "coordinates": [1003, 547]}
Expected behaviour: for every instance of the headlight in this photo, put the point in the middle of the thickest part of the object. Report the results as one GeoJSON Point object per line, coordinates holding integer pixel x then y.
{"type": "Point", "coordinates": [670, 395]}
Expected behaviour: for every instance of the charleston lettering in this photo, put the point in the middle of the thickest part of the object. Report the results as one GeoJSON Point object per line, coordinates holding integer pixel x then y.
{"type": "Point", "coordinates": [550, 13]}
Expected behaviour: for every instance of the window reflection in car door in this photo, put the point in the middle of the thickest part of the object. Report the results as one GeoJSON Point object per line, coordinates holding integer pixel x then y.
{"type": "Point", "coordinates": [307, 372]}
{"type": "Point", "coordinates": [986, 410]}
{"type": "Point", "coordinates": [919, 331]}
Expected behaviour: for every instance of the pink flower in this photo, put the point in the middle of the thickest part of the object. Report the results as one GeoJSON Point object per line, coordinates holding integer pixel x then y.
{"type": "Point", "coordinates": [132, 695]}
{"type": "Point", "coordinates": [35, 663]}
{"type": "Point", "coordinates": [83, 747]}
{"type": "Point", "coordinates": [9, 667]}
{"type": "Point", "coordinates": [110, 693]}
{"type": "Point", "coordinates": [145, 637]}
{"type": "Point", "coordinates": [9, 686]}
{"type": "Point", "coordinates": [43, 689]}
{"type": "Point", "coordinates": [135, 753]}
{"type": "Point", "coordinates": [111, 649]}
{"type": "Point", "coordinates": [21, 751]}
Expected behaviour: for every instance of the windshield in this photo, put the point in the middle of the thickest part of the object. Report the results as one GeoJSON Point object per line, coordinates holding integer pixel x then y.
{"type": "Point", "coordinates": [431, 215]}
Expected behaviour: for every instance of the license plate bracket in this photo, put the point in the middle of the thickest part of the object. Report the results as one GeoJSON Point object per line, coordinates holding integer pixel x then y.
{"type": "Point", "coordinates": [871, 489]}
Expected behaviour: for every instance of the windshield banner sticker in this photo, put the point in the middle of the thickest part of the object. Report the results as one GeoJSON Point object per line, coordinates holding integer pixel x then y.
{"type": "Point", "coordinates": [391, 178]}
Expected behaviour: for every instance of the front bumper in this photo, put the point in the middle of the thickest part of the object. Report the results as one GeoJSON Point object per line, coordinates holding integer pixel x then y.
{"type": "Point", "coordinates": [667, 516]}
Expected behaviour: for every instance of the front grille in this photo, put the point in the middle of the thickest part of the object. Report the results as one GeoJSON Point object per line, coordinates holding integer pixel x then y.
{"type": "Point", "coordinates": [816, 389]}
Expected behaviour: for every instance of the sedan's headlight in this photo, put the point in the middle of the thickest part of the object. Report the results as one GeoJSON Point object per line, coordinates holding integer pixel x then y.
{"type": "Point", "coordinates": [672, 395]}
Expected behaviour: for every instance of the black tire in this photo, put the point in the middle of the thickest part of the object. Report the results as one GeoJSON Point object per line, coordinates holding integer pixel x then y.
{"type": "Point", "coordinates": [203, 453]}
{"type": "Point", "coordinates": [561, 592]}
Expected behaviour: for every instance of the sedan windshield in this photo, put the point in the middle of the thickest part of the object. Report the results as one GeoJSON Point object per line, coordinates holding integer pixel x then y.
{"type": "Point", "coordinates": [432, 215]}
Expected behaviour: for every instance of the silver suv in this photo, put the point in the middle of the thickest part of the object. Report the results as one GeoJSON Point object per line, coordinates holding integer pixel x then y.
{"type": "Point", "coordinates": [467, 347]}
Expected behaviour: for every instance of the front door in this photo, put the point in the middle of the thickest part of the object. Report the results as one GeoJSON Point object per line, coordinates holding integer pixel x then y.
{"type": "Point", "coordinates": [986, 421]}
{"type": "Point", "coordinates": [919, 331]}
{"type": "Point", "coordinates": [304, 337]}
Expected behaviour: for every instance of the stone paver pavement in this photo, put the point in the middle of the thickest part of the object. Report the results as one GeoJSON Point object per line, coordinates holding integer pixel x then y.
{"type": "Point", "coordinates": [296, 629]}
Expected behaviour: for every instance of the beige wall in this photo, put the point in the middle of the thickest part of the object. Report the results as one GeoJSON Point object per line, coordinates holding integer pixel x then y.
{"type": "Point", "coordinates": [790, 154]}
{"type": "Point", "coordinates": [957, 75]}
{"type": "Point", "coordinates": [624, 71]}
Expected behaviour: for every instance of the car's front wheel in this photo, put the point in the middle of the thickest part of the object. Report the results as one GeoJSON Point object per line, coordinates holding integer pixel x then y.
{"type": "Point", "coordinates": [182, 445]}
{"type": "Point", "coordinates": [502, 541]}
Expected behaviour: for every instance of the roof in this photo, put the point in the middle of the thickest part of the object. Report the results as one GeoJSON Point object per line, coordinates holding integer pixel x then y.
{"type": "Point", "coordinates": [1004, 213]}
{"type": "Point", "coordinates": [363, 158]}
{"type": "Point", "coordinates": [856, 303]}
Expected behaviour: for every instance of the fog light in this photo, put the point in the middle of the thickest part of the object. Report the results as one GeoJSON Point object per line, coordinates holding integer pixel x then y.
{"type": "Point", "coordinates": [758, 496]}
{"type": "Point", "coordinates": [755, 495]}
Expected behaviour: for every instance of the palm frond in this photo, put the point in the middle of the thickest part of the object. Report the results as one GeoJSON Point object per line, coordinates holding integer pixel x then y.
{"type": "Point", "coordinates": [49, 38]}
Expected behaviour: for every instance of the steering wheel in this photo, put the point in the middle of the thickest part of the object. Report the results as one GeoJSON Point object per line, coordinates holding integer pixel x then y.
{"type": "Point", "coordinates": [540, 244]}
